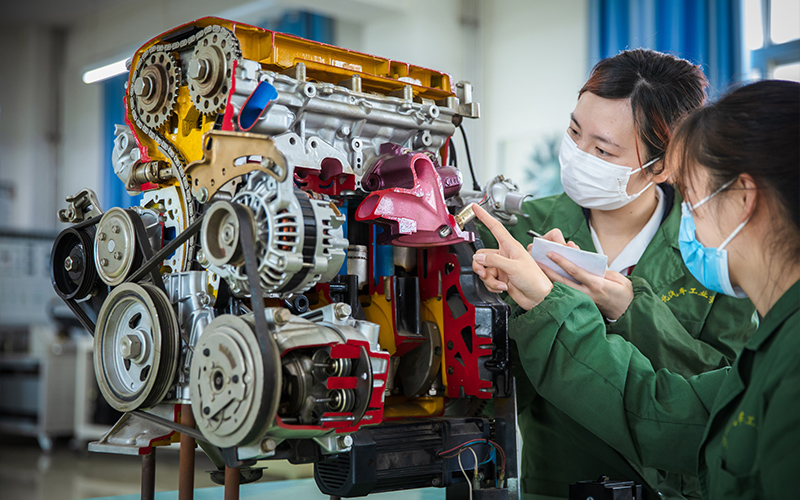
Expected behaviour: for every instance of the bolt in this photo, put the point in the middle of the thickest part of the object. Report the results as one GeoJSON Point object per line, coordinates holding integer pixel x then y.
{"type": "Point", "coordinates": [436, 481]}
{"type": "Point", "coordinates": [281, 316]}
{"type": "Point", "coordinates": [227, 234]}
{"type": "Point", "coordinates": [143, 87]}
{"type": "Point", "coordinates": [130, 347]}
{"type": "Point", "coordinates": [115, 229]}
{"type": "Point", "coordinates": [206, 410]}
{"type": "Point", "coordinates": [345, 441]}
{"type": "Point", "coordinates": [450, 370]}
{"type": "Point", "coordinates": [70, 264]}
{"type": "Point", "coordinates": [201, 195]}
{"type": "Point", "coordinates": [201, 258]}
{"type": "Point", "coordinates": [342, 310]}
{"type": "Point", "coordinates": [268, 445]}
{"type": "Point", "coordinates": [445, 231]}
{"type": "Point", "coordinates": [101, 236]}
{"type": "Point", "coordinates": [118, 255]}
{"type": "Point", "coordinates": [104, 262]}
{"type": "Point", "coordinates": [198, 69]}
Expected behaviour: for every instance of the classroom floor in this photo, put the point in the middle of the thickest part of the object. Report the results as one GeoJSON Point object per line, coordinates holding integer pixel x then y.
{"type": "Point", "coordinates": [27, 473]}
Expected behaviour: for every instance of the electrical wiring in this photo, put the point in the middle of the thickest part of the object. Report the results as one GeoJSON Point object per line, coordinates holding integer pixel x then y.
{"type": "Point", "coordinates": [456, 451]}
{"type": "Point", "coordinates": [461, 466]}
{"type": "Point", "coordinates": [502, 458]}
{"type": "Point", "coordinates": [475, 185]}
{"type": "Point", "coordinates": [452, 159]}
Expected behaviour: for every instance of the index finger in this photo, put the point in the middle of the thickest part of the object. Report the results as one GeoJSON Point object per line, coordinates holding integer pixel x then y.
{"type": "Point", "coordinates": [499, 231]}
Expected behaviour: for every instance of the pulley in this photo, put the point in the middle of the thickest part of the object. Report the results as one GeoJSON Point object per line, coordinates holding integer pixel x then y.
{"type": "Point", "coordinates": [136, 347]}
{"type": "Point", "coordinates": [72, 269]}
{"type": "Point", "coordinates": [115, 246]}
{"type": "Point", "coordinates": [235, 387]}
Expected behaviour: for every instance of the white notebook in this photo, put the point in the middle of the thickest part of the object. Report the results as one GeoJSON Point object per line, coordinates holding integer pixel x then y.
{"type": "Point", "coordinates": [589, 261]}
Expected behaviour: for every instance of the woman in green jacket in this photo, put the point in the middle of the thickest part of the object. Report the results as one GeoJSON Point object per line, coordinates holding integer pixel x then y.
{"type": "Point", "coordinates": [738, 166]}
{"type": "Point", "coordinates": [617, 203]}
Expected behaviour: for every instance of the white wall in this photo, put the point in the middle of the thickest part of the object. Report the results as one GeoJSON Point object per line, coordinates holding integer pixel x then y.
{"type": "Point", "coordinates": [28, 126]}
{"type": "Point", "coordinates": [526, 59]}
{"type": "Point", "coordinates": [536, 60]}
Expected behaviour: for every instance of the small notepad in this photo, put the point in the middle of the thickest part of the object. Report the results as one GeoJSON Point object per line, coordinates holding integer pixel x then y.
{"type": "Point", "coordinates": [589, 261]}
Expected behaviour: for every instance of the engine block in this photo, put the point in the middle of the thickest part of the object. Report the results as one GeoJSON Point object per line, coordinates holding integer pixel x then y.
{"type": "Point", "coordinates": [297, 271]}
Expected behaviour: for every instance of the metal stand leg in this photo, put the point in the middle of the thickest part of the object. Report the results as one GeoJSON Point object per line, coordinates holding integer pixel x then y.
{"type": "Point", "coordinates": [231, 483]}
{"type": "Point", "coordinates": [186, 462]}
{"type": "Point", "coordinates": [149, 475]}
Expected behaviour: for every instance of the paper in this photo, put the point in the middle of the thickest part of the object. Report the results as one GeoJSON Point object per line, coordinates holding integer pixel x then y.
{"type": "Point", "coordinates": [589, 261]}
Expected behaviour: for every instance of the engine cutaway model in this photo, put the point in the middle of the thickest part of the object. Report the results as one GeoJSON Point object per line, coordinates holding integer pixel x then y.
{"type": "Point", "coordinates": [297, 276]}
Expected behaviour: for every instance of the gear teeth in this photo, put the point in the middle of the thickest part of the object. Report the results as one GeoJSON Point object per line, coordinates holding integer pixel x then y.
{"type": "Point", "coordinates": [176, 160]}
{"type": "Point", "coordinates": [155, 88]}
{"type": "Point", "coordinates": [212, 59]}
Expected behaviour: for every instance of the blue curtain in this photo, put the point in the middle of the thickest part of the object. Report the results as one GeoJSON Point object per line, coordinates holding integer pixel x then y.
{"type": "Point", "coordinates": [304, 24]}
{"type": "Point", "coordinates": [114, 194]}
{"type": "Point", "coordinates": [706, 32]}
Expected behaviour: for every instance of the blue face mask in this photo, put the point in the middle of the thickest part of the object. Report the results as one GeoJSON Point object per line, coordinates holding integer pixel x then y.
{"type": "Point", "coordinates": [709, 266]}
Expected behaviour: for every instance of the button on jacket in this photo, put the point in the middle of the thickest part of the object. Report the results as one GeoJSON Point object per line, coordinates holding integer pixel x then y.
{"type": "Point", "coordinates": [673, 320]}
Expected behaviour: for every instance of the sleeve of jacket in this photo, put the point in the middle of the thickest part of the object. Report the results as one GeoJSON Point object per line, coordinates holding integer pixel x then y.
{"type": "Point", "coordinates": [655, 419]}
{"type": "Point", "coordinates": [651, 326]}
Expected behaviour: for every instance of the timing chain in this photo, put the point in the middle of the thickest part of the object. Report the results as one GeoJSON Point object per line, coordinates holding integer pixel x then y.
{"type": "Point", "coordinates": [176, 159]}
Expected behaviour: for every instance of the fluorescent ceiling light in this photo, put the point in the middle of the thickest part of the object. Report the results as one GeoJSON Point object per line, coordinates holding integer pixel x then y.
{"type": "Point", "coordinates": [105, 72]}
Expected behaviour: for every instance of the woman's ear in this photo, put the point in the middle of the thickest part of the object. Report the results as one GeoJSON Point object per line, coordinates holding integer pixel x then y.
{"type": "Point", "coordinates": [747, 195]}
{"type": "Point", "coordinates": [663, 176]}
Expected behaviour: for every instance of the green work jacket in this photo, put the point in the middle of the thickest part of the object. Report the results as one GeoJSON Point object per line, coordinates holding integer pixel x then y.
{"type": "Point", "coordinates": [739, 426]}
{"type": "Point", "coordinates": [675, 322]}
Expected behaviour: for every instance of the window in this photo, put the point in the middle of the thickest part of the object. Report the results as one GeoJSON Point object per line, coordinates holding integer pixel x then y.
{"type": "Point", "coordinates": [772, 38]}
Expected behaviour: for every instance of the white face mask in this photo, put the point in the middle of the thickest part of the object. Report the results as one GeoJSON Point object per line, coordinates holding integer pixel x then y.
{"type": "Point", "coordinates": [595, 183]}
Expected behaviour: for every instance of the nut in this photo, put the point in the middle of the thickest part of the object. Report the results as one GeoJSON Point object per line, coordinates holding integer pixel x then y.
{"type": "Point", "coordinates": [130, 347]}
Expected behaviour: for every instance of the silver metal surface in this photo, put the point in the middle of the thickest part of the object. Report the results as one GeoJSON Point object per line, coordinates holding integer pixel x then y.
{"type": "Point", "coordinates": [230, 403]}
{"type": "Point", "coordinates": [80, 206]}
{"type": "Point", "coordinates": [114, 246]}
{"type": "Point", "coordinates": [282, 218]}
{"type": "Point", "coordinates": [136, 347]}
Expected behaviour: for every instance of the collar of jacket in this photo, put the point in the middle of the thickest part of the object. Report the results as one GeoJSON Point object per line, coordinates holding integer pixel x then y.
{"type": "Point", "coordinates": [661, 267]}
{"type": "Point", "coordinates": [788, 304]}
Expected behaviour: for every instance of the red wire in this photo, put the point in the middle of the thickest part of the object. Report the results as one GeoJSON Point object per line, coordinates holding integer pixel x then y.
{"type": "Point", "coordinates": [502, 455]}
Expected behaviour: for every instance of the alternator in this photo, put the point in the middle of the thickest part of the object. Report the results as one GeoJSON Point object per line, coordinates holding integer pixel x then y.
{"type": "Point", "coordinates": [299, 239]}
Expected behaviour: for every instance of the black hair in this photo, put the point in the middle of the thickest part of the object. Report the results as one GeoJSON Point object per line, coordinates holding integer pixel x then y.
{"type": "Point", "coordinates": [662, 89]}
{"type": "Point", "coordinates": [755, 130]}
